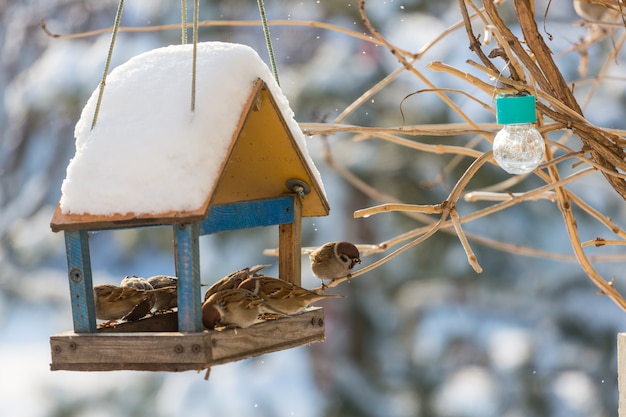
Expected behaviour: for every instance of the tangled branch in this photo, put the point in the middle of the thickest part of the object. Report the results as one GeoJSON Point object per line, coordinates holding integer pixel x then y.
{"type": "Point", "coordinates": [530, 69]}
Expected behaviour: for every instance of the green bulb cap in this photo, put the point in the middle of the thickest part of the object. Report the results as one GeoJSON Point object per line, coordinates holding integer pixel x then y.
{"type": "Point", "coordinates": [511, 109]}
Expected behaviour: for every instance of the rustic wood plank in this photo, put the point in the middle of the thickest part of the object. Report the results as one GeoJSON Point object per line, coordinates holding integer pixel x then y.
{"type": "Point", "coordinates": [290, 246]}
{"type": "Point", "coordinates": [175, 351]}
{"type": "Point", "coordinates": [187, 259]}
{"type": "Point", "coordinates": [247, 214]}
{"type": "Point", "coordinates": [152, 367]}
{"type": "Point", "coordinates": [64, 221]}
{"type": "Point", "coordinates": [114, 350]}
{"type": "Point", "coordinates": [80, 279]}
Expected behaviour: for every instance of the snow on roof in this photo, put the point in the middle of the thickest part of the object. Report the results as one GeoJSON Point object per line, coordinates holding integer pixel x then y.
{"type": "Point", "coordinates": [148, 153]}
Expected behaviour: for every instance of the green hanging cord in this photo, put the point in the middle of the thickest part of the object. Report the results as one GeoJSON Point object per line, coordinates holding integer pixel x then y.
{"type": "Point", "coordinates": [183, 23]}
{"type": "Point", "coordinates": [195, 53]}
{"type": "Point", "coordinates": [116, 26]}
{"type": "Point", "coordinates": [268, 39]}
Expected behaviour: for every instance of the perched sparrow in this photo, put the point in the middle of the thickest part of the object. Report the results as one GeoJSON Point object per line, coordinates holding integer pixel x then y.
{"type": "Point", "coordinates": [334, 260]}
{"type": "Point", "coordinates": [234, 307]}
{"type": "Point", "coordinates": [136, 282]}
{"type": "Point", "coordinates": [113, 302]}
{"type": "Point", "coordinates": [282, 295]}
{"type": "Point", "coordinates": [165, 300]}
{"type": "Point", "coordinates": [128, 303]}
{"type": "Point", "coordinates": [233, 279]}
{"type": "Point", "coordinates": [160, 281]}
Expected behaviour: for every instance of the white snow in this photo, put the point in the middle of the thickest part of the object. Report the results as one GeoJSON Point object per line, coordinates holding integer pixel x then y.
{"type": "Point", "coordinates": [148, 153]}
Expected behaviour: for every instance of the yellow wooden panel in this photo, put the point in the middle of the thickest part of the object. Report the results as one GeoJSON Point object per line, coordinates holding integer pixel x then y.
{"type": "Point", "coordinates": [264, 158]}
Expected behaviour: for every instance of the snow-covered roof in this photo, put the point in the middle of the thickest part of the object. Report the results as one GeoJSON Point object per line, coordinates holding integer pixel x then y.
{"type": "Point", "coordinates": [148, 154]}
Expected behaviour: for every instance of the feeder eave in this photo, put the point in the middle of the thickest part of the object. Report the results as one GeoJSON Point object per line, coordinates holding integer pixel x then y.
{"type": "Point", "coordinates": [66, 222]}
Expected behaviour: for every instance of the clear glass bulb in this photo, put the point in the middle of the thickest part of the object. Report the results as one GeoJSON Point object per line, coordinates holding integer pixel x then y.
{"type": "Point", "coordinates": [518, 148]}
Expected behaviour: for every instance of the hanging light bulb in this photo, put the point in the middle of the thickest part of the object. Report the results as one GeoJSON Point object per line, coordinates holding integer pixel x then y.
{"type": "Point", "coordinates": [518, 147]}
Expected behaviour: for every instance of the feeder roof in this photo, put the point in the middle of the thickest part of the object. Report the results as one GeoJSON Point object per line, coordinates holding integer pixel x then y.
{"type": "Point", "coordinates": [149, 159]}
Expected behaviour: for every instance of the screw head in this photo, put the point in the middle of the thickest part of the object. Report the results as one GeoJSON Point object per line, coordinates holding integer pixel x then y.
{"type": "Point", "coordinates": [76, 275]}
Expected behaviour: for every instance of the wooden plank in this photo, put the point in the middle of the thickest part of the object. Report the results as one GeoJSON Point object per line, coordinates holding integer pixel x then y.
{"type": "Point", "coordinates": [114, 351]}
{"type": "Point", "coordinates": [621, 374]}
{"type": "Point", "coordinates": [63, 221]}
{"type": "Point", "coordinates": [81, 283]}
{"type": "Point", "coordinates": [187, 260]}
{"type": "Point", "coordinates": [152, 367]}
{"type": "Point", "coordinates": [175, 351]}
{"type": "Point", "coordinates": [247, 214]}
{"type": "Point", "coordinates": [290, 246]}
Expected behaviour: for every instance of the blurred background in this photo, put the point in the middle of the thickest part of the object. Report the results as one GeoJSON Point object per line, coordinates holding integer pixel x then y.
{"type": "Point", "coordinates": [423, 335]}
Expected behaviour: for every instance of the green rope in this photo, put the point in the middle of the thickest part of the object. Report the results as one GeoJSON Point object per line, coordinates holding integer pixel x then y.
{"type": "Point", "coordinates": [195, 53]}
{"type": "Point", "coordinates": [116, 26]}
{"type": "Point", "coordinates": [268, 39]}
{"type": "Point", "coordinates": [183, 24]}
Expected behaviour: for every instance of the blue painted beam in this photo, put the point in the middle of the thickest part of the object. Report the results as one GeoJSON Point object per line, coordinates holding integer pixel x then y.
{"type": "Point", "coordinates": [248, 214]}
{"type": "Point", "coordinates": [80, 279]}
{"type": "Point", "coordinates": [187, 261]}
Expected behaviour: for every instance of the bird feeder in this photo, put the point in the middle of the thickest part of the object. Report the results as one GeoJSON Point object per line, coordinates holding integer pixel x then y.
{"type": "Point", "coordinates": [244, 165]}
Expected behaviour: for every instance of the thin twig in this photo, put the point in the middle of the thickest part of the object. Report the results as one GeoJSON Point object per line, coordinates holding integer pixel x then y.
{"type": "Point", "coordinates": [471, 257]}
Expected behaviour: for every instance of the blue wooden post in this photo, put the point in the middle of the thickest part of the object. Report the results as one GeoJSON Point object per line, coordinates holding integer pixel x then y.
{"type": "Point", "coordinates": [81, 285]}
{"type": "Point", "coordinates": [187, 259]}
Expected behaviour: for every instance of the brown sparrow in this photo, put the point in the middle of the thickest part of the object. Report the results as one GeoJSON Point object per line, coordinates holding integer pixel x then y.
{"type": "Point", "coordinates": [136, 282]}
{"type": "Point", "coordinates": [165, 300]}
{"type": "Point", "coordinates": [113, 302]}
{"type": "Point", "coordinates": [334, 260]}
{"type": "Point", "coordinates": [282, 295]}
{"type": "Point", "coordinates": [233, 279]}
{"type": "Point", "coordinates": [235, 307]}
{"type": "Point", "coordinates": [127, 303]}
{"type": "Point", "coordinates": [160, 281]}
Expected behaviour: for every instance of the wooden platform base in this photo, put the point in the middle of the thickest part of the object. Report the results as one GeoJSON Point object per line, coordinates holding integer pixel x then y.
{"type": "Point", "coordinates": [175, 351]}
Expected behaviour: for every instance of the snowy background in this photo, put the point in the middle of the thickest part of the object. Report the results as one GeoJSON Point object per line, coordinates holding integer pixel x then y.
{"type": "Point", "coordinates": [422, 336]}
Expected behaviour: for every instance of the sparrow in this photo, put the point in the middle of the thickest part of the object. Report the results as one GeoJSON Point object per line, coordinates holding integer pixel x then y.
{"type": "Point", "coordinates": [282, 295]}
{"type": "Point", "coordinates": [235, 307]}
{"type": "Point", "coordinates": [113, 302]}
{"type": "Point", "coordinates": [136, 282]}
{"type": "Point", "coordinates": [160, 281]}
{"type": "Point", "coordinates": [165, 300]}
{"type": "Point", "coordinates": [233, 279]}
{"type": "Point", "coordinates": [127, 303]}
{"type": "Point", "coordinates": [334, 260]}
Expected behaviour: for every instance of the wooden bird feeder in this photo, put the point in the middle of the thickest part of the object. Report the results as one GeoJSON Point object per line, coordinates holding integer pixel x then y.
{"type": "Point", "coordinates": [264, 180]}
